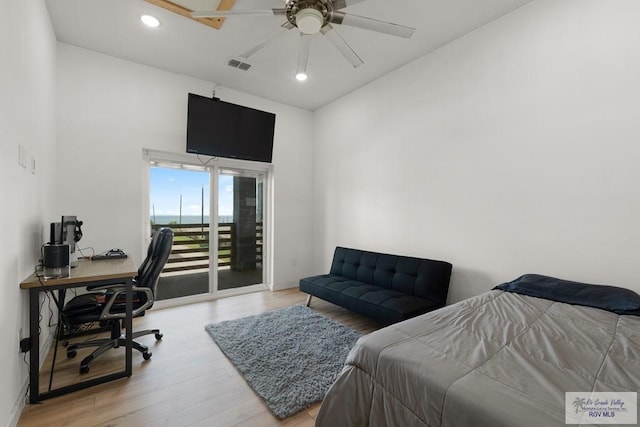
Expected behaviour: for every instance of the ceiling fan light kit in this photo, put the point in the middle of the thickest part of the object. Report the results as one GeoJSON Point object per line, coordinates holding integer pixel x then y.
{"type": "Point", "coordinates": [309, 20]}
{"type": "Point", "coordinates": [317, 16]}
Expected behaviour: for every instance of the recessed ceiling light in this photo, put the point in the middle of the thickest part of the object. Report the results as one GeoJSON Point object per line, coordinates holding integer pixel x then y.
{"type": "Point", "coordinates": [150, 21]}
{"type": "Point", "coordinates": [301, 76]}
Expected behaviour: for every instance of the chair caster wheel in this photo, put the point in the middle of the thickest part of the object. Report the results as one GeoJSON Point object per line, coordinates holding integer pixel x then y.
{"type": "Point", "coordinates": [146, 355]}
{"type": "Point", "coordinates": [159, 337]}
{"type": "Point", "coordinates": [84, 369]}
{"type": "Point", "coordinates": [71, 354]}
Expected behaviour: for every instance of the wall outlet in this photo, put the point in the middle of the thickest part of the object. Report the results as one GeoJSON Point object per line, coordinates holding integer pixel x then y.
{"type": "Point", "coordinates": [25, 345]}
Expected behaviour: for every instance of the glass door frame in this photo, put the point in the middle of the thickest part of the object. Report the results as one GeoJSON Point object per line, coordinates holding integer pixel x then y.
{"type": "Point", "coordinates": [213, 166]}
{"type": "Point", "coordinates": [218, 169]}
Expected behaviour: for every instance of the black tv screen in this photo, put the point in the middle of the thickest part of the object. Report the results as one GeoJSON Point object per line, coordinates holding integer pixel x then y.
{"type": "Point", "coordinates": [221, 129]}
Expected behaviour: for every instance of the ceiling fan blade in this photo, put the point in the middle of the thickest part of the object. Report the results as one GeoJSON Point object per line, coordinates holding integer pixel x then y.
{"type": "Point", "coordinates": [263, 43]}
{"type": "Point", "coordinates": [227, 13]}
{"type": "Point", "coordinates": [371, 24]}
{"type": "Point", "coordinates": [338, 42]}
{"type": "Point", "coordinates": [341, 4]}
{"type": "Point", "coordinates": [303, 56]}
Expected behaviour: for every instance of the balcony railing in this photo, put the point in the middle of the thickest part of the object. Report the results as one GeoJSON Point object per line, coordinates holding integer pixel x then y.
{"type": "Point", "coordinates": [190, 250]}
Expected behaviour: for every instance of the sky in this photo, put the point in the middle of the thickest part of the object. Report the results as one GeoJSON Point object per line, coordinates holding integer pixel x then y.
{"type": "Point", "coordinates": [168, 184]}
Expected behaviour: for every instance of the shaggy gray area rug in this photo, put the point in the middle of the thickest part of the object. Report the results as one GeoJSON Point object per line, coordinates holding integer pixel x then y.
{"type": "Point", "coordinates": [290, 357]}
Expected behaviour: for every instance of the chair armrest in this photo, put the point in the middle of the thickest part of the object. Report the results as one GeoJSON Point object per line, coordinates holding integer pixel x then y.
{"type": "Point", "coordinates": [148, 303]}
{"type": "Point", "coordinates": [119, 290]}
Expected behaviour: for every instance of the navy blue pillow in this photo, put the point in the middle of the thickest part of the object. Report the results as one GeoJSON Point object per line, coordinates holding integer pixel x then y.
{"type": "Point", "coordinates": [610, 298]}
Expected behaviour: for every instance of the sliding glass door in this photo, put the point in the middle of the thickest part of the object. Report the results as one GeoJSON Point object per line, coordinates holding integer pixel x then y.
{"type": "Point", "coordinates": [216, 251]}
{"type": "Point", "coordinates": [240, 228]}
{"type": "Point", "coordinates": [179, 196]}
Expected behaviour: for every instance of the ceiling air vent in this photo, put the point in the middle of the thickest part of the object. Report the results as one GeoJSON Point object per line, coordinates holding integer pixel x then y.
{"type": "Point", "coordinates": [238, 64]}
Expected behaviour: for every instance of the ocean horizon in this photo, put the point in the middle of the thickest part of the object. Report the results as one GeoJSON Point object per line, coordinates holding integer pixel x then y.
{"type": "Point", "coordinates": [187, 219]}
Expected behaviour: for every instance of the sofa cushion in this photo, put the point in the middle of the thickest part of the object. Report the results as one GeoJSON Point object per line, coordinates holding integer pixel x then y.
{"type": "Point", "coordinates": [387, 288]}
{"type": "Point", "coordinates": [384, 305]}
{"type": "Point", "coordinates": [419, 277]}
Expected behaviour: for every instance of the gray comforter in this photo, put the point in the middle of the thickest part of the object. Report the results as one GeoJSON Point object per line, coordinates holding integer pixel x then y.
{"type": "Point", "coordinates": [498, 359]}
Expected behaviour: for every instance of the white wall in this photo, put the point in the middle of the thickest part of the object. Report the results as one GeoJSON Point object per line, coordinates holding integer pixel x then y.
{"type": "Point", "coordinates": [512, 150]}
{"type": "Point", "coordinates": [110, 109]}
{"type": "Point", "coordinates": [27, 92]}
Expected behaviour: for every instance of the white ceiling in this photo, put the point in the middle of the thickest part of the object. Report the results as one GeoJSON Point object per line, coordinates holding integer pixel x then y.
{"type": "Point", "coordinates": [181, 45]}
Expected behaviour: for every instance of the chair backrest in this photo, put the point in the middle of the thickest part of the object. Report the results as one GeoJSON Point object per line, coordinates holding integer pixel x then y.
{"type": "Point", "coordinates": [157, 256]}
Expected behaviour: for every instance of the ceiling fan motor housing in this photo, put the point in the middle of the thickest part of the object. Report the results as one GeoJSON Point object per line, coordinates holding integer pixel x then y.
{"type": "Point", "coordinates": [309, 15]}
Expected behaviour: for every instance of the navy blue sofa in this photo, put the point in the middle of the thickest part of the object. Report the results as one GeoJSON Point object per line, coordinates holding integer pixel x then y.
{"type": "Point", "coordinates": [387, 288]}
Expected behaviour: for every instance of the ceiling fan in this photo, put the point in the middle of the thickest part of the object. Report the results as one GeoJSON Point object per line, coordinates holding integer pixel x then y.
{"type": "Point", "coordinates": [312, 17]}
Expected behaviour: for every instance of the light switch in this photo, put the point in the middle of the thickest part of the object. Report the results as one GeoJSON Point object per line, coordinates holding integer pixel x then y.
{"type": "Point", "coordinates": [22, 156]}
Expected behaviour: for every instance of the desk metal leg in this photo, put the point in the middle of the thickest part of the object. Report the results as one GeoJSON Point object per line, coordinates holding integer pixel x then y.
{"type": "Point", "coordinates": [34, 338]}
{"type": "Point", "coordinates": [128, 324]}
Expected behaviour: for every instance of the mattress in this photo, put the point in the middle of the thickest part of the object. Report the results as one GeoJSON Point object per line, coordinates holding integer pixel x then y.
{"type": "Point", "coordinates": [497, 359]}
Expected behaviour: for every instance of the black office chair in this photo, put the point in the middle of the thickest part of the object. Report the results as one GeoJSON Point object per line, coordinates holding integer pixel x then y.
{"type": "Point", "coordinates": [107, 306]}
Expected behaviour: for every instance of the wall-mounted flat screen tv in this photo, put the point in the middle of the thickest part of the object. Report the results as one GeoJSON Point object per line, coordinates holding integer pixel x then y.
{"type": "Point", "coordinates": [221, 129]}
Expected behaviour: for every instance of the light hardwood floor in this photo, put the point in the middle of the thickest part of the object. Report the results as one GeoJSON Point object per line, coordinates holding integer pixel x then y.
{"type": "Point", "coordinates": [187, 382]}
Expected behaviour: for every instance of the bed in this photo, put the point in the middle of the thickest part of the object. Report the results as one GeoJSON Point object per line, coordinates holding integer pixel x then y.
{"type": "Point", "coordinates": [503, 358]}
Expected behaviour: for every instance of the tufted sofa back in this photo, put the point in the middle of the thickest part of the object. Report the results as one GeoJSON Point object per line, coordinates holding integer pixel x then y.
{"type": "Point", "coordinates": [425, 278]}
